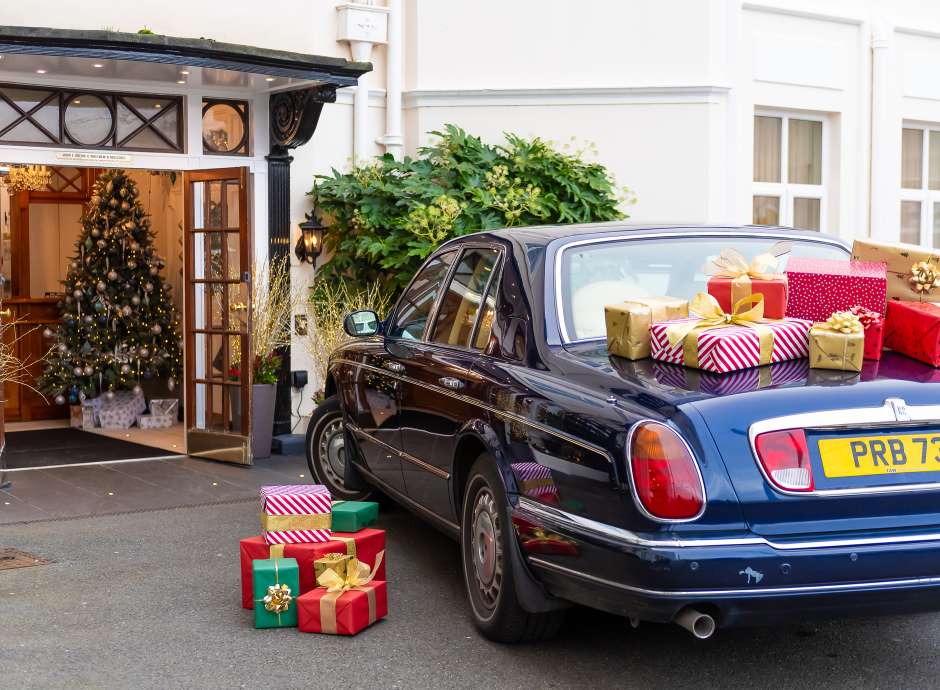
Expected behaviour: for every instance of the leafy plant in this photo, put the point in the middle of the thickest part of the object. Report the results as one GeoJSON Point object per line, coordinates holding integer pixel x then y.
{"type": "Point", "coordinates": [383, 219]}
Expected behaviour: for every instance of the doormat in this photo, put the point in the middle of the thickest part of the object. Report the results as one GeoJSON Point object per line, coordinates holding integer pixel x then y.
{"type": "Point", "coordinates": [14, 558]}
{"type": "Point", "coordinates": [51, 447]}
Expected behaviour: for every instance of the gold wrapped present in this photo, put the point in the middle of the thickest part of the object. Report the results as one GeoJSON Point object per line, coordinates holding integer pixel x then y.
{"type": "Point", "coordinates": [913, 272]}
{"type": "Point", "coordinates": [332, 561]}
{"type": "Point", "coordinates": [628, 323]}
{"type": "Point", "coordinates": [838, 343]}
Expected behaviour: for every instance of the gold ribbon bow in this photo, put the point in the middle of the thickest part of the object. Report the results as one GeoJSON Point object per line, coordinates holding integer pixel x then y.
{"type": "Point", "coordinates": [730, 263]}
{"type": "Point", "coordinates": [924, 278]}
{"type": "Point", "coordinates": [358, 575]}
{"type": "Point", "coordinates": [843, 322]}
{"type": "Point", "coordinates": [747, 312]}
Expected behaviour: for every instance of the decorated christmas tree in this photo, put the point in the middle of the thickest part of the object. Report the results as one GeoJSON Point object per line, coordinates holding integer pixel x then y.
{"type": "Point", "coordinates": [117, 323]}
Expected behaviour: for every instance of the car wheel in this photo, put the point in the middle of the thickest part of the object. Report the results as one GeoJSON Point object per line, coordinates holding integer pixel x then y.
{"type": "Point", "coordinates": [326, 450]}
{"type": "Point", "coordinates": [486, 536]}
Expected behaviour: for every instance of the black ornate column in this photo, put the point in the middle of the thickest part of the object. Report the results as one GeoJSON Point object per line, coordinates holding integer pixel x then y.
{"type": "Point", "coordinates": [293, 120]}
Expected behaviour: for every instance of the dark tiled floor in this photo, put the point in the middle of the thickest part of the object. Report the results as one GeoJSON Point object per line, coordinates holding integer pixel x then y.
{"type": "Point", "coordinates": [147, 485]}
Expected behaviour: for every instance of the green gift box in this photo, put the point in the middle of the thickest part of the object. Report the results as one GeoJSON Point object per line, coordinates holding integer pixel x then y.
{"type": "Point", "coordinates": [352, 516]}
{"type": "Point", "coordinates": [276, 585]}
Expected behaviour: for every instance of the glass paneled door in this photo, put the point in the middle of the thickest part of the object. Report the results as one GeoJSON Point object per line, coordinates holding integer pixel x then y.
{"type": "Point", "coordinates": [218, 287]}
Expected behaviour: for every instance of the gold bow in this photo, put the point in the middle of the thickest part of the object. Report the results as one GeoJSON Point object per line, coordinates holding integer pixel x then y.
{"type": "Point", "coordinates": [358, 575]}
{"type": "Point", "coordinates": [278, 599]}
{"type": "Point", "coordinates": [842, 322]}
{"type": "Point", "coordinates": [730, 263]}
{"type": "Point", "coordinates": [924, 277]}
{"type": "Point", "coordinates": [747, 312]}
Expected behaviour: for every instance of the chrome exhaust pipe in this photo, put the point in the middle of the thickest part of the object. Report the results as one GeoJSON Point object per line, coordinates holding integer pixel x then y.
{"type": "Point", "coordinates": [699, 624]}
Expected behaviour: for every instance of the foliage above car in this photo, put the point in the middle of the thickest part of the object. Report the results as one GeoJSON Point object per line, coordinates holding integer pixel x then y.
{"type": "Point", "coordinates": [383, 219]}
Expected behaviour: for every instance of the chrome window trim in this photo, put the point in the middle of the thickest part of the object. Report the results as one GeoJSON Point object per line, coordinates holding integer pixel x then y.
{"type": "Point", "coordinates": [559, 254]}
{"type": "Point", "coordinates": [629, 470]}
{"type": "Point", "coordinates": [564, 520]}
{"type": "Point", "coordinates": [478, 403]}
{"type": "Point", "coordinates": [739, 591]}
{"type": "Point", "coordinates": [894, 411]}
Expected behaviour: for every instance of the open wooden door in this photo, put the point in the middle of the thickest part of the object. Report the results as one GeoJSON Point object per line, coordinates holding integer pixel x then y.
{"type": "Point", "coordinates": [217, 321]}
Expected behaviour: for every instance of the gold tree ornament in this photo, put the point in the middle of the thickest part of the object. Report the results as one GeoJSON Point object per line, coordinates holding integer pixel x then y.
{"type": "Point", "coordinates": [924, 277]}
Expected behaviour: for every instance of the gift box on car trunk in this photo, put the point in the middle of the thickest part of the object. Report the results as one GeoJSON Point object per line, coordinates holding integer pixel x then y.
{"type": "Point", "coordinates": [733, 278]}
{"type": "Point", "coordinates": [905, 282]}
{"type": "Point", "coordinates": [365, 544]}
{"type": "Point", "coordinates": [820, 287]}
{"type": "Point", "coordinates": [913, 329]}
{"type": "Point", "coordinates": [628, 323]}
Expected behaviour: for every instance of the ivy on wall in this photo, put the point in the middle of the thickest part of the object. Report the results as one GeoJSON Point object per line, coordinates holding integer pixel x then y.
{"type": "Point", "coordinates": [383, 219]}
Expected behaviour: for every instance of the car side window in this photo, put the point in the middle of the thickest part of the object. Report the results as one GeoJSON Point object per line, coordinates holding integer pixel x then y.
{"type": "Point", "coordinates": [416, 304]}
{"type": "Point", "coordinates": [461, 301]}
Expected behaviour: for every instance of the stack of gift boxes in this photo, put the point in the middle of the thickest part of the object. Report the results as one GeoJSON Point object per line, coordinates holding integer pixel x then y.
{"type": "Point", "coordinates": [317, 565]}
{"type": "Point", "coordinates": [835, 313]}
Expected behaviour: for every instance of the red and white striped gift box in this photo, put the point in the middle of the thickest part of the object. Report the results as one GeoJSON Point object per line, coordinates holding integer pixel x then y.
{"type": "Point", "coordinates": [733, 347]}
{"type": "Point", "coordinates": [296, 513]}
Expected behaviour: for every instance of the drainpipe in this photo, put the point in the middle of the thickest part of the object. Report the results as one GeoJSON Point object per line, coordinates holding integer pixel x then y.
{"type": "Point", "coordinates": [394, 141]}
{"type": "Point", "coordinates": [362, 26]}
{"type": "Point", "coordinates": [883, 175]}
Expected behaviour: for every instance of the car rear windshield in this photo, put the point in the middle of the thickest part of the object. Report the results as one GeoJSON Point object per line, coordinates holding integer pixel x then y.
{"type": "Point", "coordinates": [596, 274]}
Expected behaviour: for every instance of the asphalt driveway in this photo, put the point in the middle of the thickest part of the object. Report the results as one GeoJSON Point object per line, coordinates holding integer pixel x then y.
{"type": "Point", "coordinates": [151, 600]}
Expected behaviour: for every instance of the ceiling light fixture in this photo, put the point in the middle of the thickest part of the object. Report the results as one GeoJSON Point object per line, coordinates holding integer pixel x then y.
{"type": "Point", "coordinates": [157, 106]}
{"type": "Point", "coordinates": [77, 102]}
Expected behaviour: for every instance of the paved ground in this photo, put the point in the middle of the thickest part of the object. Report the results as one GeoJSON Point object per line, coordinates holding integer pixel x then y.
{"type": "Point", "coordinates": [151, 600]}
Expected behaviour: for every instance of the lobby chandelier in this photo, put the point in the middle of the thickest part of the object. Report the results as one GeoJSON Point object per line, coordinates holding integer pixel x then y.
{"type": "Point", "coordinates": [27, 178]}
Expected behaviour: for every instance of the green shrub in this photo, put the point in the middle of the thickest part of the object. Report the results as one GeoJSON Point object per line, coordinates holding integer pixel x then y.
{"type": "Point", "coordinates": [384, 218]}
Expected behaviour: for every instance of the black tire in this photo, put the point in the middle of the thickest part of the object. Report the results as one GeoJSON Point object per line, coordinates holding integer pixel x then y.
{"type": "Point", "coordinates": [326, 451]}
{"type": "Point", "coordinates": [487, 569]}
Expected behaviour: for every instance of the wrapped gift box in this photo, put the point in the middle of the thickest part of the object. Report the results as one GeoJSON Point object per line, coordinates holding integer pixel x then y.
{"type": "Point", "coordinates": [83, 415]}
{"type": "Point", "coordinates": [334, 561]}
{"type": "Point", "coordinates": [913, 329]}
{"type": "Point", "coordinates": [628, 323]}
{"type": "Point", "coordinates": [155, 421]}
{"type": "Point", "coordinates": [120, 411]}
{"type": "Point", "coordinates": [342, 613]}
{"type": "Point", "coordinates": [733, 278]}
{"type": "Point", "coordinates": [732, 348]}
{"type": "Point", "coordinates": [899, 259]}
{"type": "Point", "coordinates": [830, 349]}
{"type": "Point", "coordinates": [819, 287]}
{"type": "Point", "coordinates": [352, 516]}
{"type": "Point", "coordinates": [775, 292]}
{"type": "Point", "coordinates": [535, 481]}
{"type": "Point", "coordinates": [296, 513]}
{"type": "Point", "coordinates": [165, 406]}
{"type": "Point", "coordinates": [275, 578]}
{"type": "Point", "coordinates": [744, 381]}
{"type": "Point", "coordinates": [366, 545]}
{"type": "Point", "coordinates": [874, 331]}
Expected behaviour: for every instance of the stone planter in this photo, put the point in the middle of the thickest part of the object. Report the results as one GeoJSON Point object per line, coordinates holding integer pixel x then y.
{"type": "Point", "coordinates": [262, 416]}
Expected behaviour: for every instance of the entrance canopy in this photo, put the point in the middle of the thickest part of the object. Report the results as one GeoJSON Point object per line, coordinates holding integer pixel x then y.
{"type": "Point", "coordinates": [46, 54]}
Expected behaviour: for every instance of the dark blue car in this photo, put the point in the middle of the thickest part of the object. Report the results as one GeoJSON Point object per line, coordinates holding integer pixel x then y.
{"type": "Point", "coordinates": [487, 403]}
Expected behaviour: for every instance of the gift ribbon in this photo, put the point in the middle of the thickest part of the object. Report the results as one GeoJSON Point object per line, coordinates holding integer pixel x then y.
{"type": "Point", "coordinates": [349, 542]}
{"type": "Point", "coordinates": [637, 337]}
{"type": "Point", "coordinates": [924, 277]}
{"type": "Point", "coordinates": [284, 523]}
{"type": "Point", "coordinates": [278, 598]}
{"type": "Point", "coordinates": [747, 312]}
{"type": "Point", "coordinates": [357, 577]}
{"type": "Point", "coordinates": [730, 263]}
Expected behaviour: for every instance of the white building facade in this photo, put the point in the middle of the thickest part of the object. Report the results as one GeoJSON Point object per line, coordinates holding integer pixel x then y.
{"type": "Point", "coordinates": [819, 114]}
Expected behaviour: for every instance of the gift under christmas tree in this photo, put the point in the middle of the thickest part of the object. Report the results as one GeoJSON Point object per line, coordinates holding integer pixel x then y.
{"type": "Point", "coordinates": [117, 322]}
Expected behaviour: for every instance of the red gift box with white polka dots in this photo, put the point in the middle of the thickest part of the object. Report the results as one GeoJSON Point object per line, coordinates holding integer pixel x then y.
{"type": "Point", "coordinates": [819, 287]}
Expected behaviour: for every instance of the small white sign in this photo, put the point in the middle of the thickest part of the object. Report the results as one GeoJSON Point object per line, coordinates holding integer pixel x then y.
{"type": "Point", "coordinates": [93, 157]}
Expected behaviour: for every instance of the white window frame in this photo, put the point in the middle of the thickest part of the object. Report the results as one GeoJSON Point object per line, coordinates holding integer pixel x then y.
{"type": "Point", "coordinates": [785, 190]}
{"type": "Point", "coordinates": [926, 196]}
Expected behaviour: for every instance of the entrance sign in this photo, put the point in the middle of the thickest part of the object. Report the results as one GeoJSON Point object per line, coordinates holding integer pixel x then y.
{"type": "Point", "coordinates": [93, 158]}
{"type": "Point", "coordinates": [218, 314]}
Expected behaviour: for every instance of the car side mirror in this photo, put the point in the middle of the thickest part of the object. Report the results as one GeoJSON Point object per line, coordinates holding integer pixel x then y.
{"type": "Point", "coordinates": [361, 323]}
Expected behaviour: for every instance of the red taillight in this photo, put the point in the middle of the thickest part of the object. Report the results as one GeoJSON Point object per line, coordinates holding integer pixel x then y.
{"type": "Point", "coordinates": [666, 478]}
{"type": "Point", "coordinates": [785, 458]}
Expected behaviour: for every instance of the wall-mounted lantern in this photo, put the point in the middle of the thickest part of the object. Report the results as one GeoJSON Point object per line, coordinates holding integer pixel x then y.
{"type": "Point", "coordinates": [310, 243]}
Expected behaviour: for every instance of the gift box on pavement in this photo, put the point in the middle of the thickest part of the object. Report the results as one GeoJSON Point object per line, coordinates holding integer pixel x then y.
{"type": "Point", "coordinates": [334, 561]}
{"type": "Point", "coordinates": [121, 409]}
{"type": "Point", "coordinates": [838, 343]}
{"type": "Point", "coordinates": [352, 516]}
{"type": "Point", "coordinates": [296, 514]}
{"type": "Point", "coordinates": [819, 287]}
{"type": "Point", "coordinates": [275, 591]}
{"type": "Point", "coordinates": [743, 381]}
{"type": "Point", "coordinates": [904, 282]}
{"type": "Point", "coordinates": [720, 342]}
{"type": "Point", "coordinates": [628, 323]}
{"type": "Point", "coordinates": [913, 329]}
{"type": "Point", "coordinates": [343, 605]}
{"type": "Point", "coordinates": [366, 545]}
{"type": "Point", "coordinates": [733, 277]}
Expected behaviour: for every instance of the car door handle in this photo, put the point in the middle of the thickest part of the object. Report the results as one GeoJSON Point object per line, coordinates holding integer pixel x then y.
{"type": "Point", "coordinates": [450, 382]}
{"type": "Point", "coordinates": [397, 367]}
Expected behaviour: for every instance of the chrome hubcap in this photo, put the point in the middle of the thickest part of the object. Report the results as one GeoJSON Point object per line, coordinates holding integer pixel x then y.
{"type": "Point", "coordinates": [332, 450]}
{"type": "Point", "coordinates": [486, 550]}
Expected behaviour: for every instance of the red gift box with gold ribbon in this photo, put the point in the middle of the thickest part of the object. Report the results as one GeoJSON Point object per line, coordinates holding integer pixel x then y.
{"type": "Point", "coordinates": [365, 545]}
{"type": "Point", "coordinates": [344, 604]}
{"type": "Point", "coordinates": [733, 278]}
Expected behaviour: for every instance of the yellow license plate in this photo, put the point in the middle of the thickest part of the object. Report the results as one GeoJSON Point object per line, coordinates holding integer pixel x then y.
{"type": "Point", "coordinates": [862, 456]}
